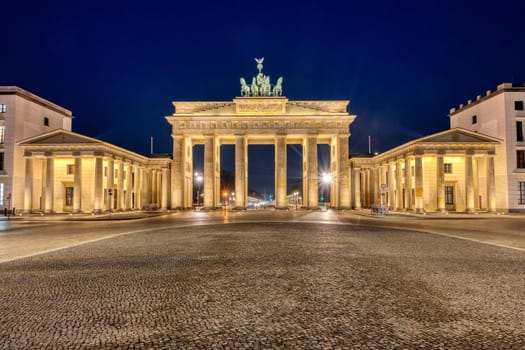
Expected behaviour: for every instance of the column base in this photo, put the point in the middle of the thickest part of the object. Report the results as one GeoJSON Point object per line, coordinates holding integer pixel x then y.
{"type": "Point", "coordinates": [442, 211]}
{"type": "Point", "coordinates": [420, 211]}
{"type": "Point", "coordinates": [282, 208]}
{"type": "Point", "coordinates": [470, 211]}
{"type": "Point", "coordinates": [97, 211]}
{"type": "Point", "coordinates": [27, 211]}
{"type": "Point", "coordinates": [238, 208]}
{"type": "Point", "coordinates": [77, 211]}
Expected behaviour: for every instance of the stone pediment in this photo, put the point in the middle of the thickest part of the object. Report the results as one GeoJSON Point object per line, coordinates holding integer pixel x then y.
{"type": "Point", "coordinates": [58, 137]}
{"type": "Point", "coordinates": [456, 135]}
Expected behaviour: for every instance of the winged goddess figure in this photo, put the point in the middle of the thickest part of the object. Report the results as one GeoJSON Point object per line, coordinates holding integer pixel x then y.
{"type": "Point", "coordinates": [259, 63]}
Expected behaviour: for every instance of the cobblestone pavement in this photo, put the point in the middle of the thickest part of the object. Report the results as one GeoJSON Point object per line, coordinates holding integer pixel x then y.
{"type": "Point", "coordinates": [269, 285]}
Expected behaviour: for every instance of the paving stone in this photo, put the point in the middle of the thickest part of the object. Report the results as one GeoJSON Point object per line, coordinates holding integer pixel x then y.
{"type": "Point", "coordinates": [266, 286]}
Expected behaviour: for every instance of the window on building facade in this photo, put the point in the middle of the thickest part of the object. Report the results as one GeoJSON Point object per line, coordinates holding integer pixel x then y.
{"type": "Point", "coordinates": [46, 121]}
{"type": "Point", "coordinates": [2, 161]}
{"type": "Point", "coordinates": [69, 196]}
{"type": "Point", "coordinates": [519, 131]}
{"type": "Point", "coordinates": [520, 159]}
{"type": "Point", "coordinates": [2, 193]}
{"type": "Point", "coordinates": [449, 195]}
{"type": "Point", "coordinates": [2, 134]}
{"type": "Point", "coordinates": [474, 119]}
{"type": "Point", "coordinates": [518, 105]}
{"type": "Point", "coordinates": [447, 168]}
{"type": "Point", "coordinates": [3, 108]}
{"type": "Point", "coordinates": [521, 192]}
{"type": "Point", "coordinates": [70, 169]}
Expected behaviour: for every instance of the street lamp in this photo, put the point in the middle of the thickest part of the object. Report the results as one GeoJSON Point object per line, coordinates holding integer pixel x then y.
{"type": "Point", "coordinates": [296, 198]}
{"type": "Point", "coordinates": [327, 180]}
{"type": "Point", "coordinates": [198, 179]}
{"type": "Point", "coordinates": [225, 195]}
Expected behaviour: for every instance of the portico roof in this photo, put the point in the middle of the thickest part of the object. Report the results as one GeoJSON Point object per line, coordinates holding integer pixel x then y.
{"type": "Point", "coordinates": [60, 141]}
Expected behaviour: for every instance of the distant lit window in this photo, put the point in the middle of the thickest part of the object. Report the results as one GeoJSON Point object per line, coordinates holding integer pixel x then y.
{"type": "Point", "coordinates": [46, 121]}
{"type": "Point", "coordinates": [70, 169]}
{"type": "Point", "coordinates": [447, 168]}
{"type": "Point", "coordinates": [474, 119]}
{"type": "Point", "coordinates": [2, 131]}
{"type": "Point", "coordinates": [521, 192]}
{"type": "Point", "coordinates": [519, 131]}
{"type": "Point", "coordinates": [1, 194]}
{"type": "Point", "coordinates": [518, 105]}
{"type": "Point", "coordinates": [3, 108]}
{"type": "Point", "coordinates": [520, 159]}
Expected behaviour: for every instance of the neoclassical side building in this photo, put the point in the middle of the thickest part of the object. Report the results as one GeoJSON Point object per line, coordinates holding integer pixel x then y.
{"type": "Point", "coordinates": [69, 172]}
{"type": "Point", "coordinates": [449, 171]}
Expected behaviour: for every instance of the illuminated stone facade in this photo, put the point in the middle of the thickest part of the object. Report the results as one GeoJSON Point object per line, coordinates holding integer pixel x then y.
{"type": "Point", "coordinates": [449, 171]}
{"type": "Point", "coordinates": [69, 172]}
{"type": "Point", "coordinates": [501, 114]}
{"type": "Point", "coordinates": [22, 115]}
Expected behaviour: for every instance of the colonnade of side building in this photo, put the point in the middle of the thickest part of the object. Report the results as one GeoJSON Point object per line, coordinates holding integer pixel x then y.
{"type": "Point", "coordinates": [87, 175]}
{"type": "Point", "coordinates": [427, 175]}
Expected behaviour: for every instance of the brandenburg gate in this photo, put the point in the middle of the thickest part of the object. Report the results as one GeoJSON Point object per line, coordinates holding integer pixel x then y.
{"type": "Point", "coordinates": [261, 115]}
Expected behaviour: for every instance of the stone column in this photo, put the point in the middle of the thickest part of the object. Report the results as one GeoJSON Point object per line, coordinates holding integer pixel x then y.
{"type": "Point", "coordinates": [399, 185]}
{"type": "Point", "coordinates": [390, 183]}
{"type": "Point", "coordinates": [110, 177]}
{"type": "Point", "coordinates": [280, 172]}
{"type": "Point", "coordinates": [77, 185]}
{"type": "Point", "coordinates": [217, 171]}
{"type": "Point", "coordinates": [154, 184]}
{"type": "Point", "coordinates": [491, 184]}
{"type": "Point", "coordinates": [28, 190]}
{"type": "Point", "coordinates": [135, 186]}
{"type": "Point", "coordinates": [98, 185]}
{"type": "Point", "coordinates": [408, 185]}
{"type": "Point", "coordinates": [343, 175]}
{"type": "Point", "coordinates": [164, 190]}
{"type": "Point", "coordinates": [177, 173]}
{"type": "Point", "coordinates": [128, 187]}
{"type": "Point", "coordinates": [241, 170]}
{"type": "Point", "coordinates": [209, 172]}
{"type": "Point", "coordinates": [141, 202]}
{"type": "Point", "coordinates": [357, 189]}
{"type": "Point", "coordinates": [311, 156]}
{"type": "Point", "coordinates": [120, 185]}
{"type": "Point", "coordinates": [372, 186]}
{"type": "Point", "coordinates": [440, 182]}
{"type": "Point", "coordinates": [419, 183]}
{"type": "Point", "coordinates": [469, 182]}
{"type": "Point", "coordinates": [50, 184]}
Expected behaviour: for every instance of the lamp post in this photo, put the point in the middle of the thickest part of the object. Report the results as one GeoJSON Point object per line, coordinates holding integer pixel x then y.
{"type": "Point", "coordinates": [327, 180]}
{"type": "Point", "coordinates": [296, 198]}
{"type": "Point", "coordinates": [198, 179]}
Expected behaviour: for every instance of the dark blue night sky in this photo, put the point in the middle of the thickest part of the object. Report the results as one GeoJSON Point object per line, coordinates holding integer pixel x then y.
{"type": "Point", "coordinates": [402, 64]}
